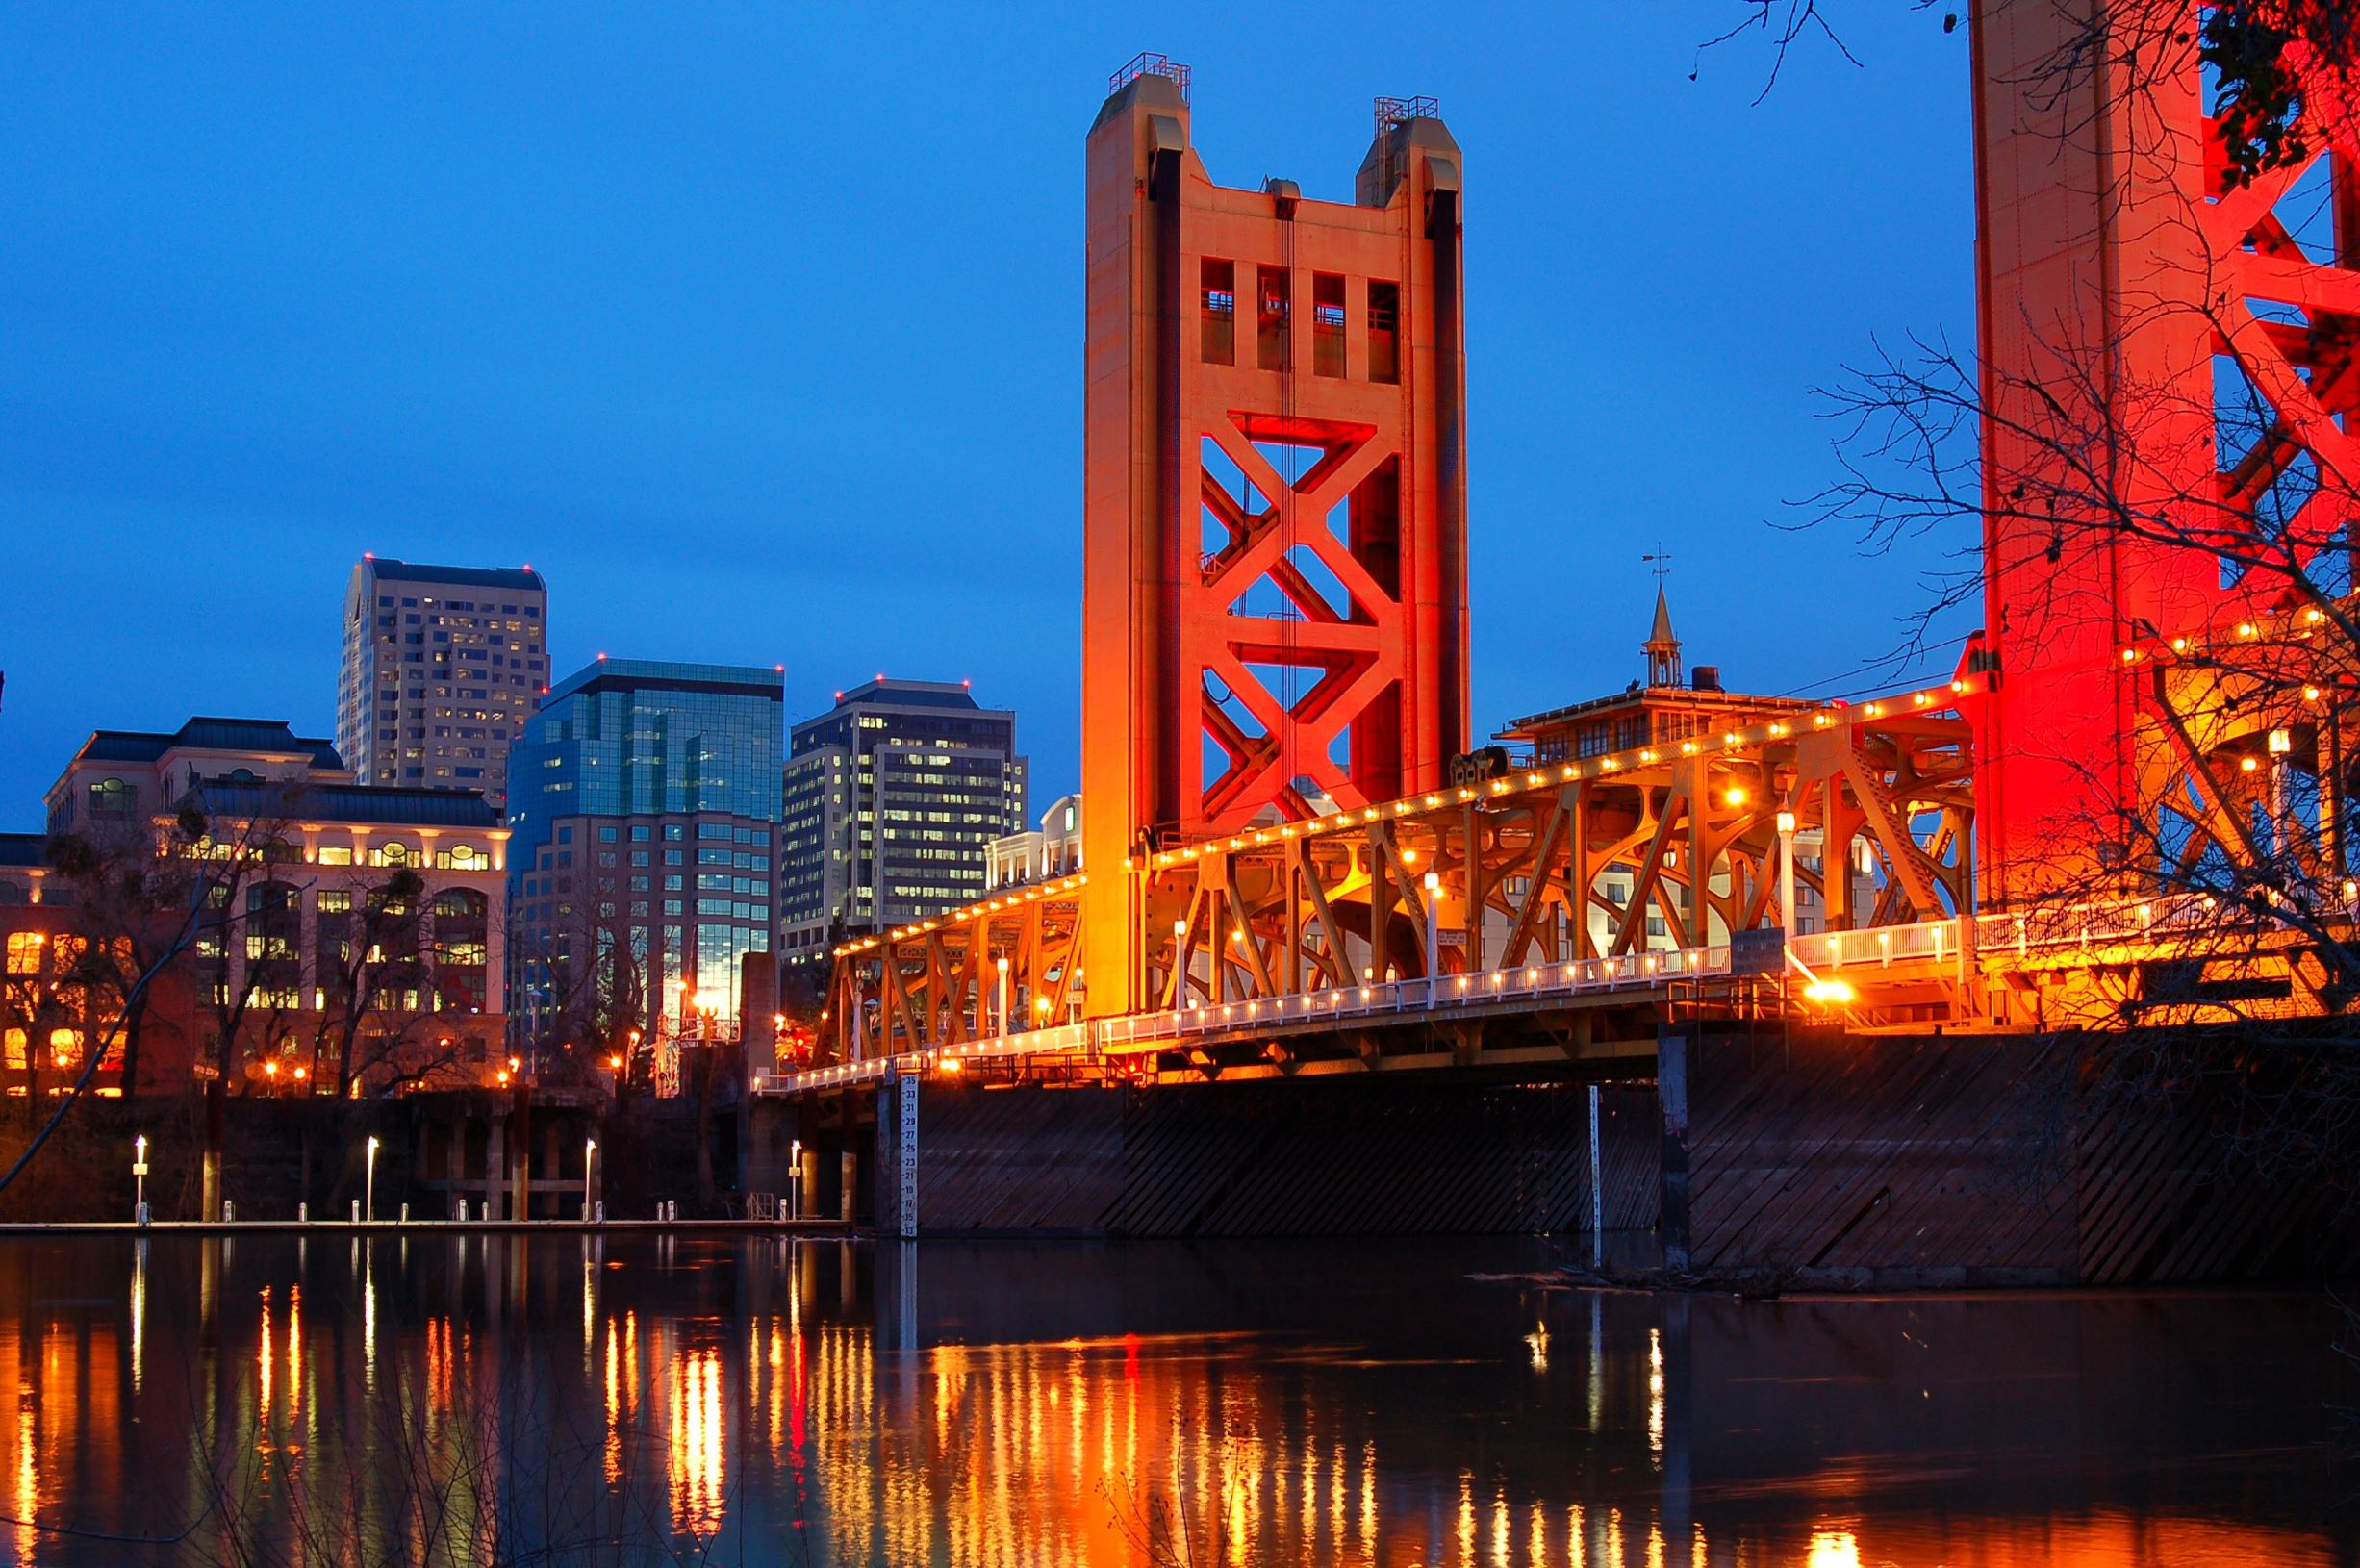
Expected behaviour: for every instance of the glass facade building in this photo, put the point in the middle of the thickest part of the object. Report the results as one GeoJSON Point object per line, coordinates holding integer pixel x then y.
{"type": "Point", "coordinates": [892, 800]}
{"type": "Point", "coordinates": [643, 808]}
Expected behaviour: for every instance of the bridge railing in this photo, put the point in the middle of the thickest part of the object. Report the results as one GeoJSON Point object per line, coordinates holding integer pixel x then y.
{"type": "Point", "coordinates": [2043, 928]}
{"type": "Point", "coordinates": [1880, 946]}
{"type": "Point", "coordinates": [1138, 1033]}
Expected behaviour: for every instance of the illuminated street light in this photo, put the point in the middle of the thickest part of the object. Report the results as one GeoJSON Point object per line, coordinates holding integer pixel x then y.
{"type": "Point", "coordinates": [589, 1153]}
{"type": "Point", "coordinates": [369, 1187]}
{"type": "Point", "coordinates": [139, 1178]}
{"type": "Point", "coordinates": [1785, 872]}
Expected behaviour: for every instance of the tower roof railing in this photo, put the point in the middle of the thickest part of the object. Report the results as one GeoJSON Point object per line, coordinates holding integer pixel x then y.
{"type": "Point", "coordinates": [1391, 111]}
{"type": "Point", "coordinates": [1148, 63]}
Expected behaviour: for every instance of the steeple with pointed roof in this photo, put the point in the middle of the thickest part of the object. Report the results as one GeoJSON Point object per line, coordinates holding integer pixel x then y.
{"type": "Point", "coordinates": [1663, 647]}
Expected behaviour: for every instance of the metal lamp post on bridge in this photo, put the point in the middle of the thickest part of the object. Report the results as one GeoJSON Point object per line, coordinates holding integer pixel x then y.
{"type": "Point", "coordinates": [1785, 872]}
{"type": "Point", "coordinates": [1433, 935]}
{"type": "Point", "coordinates": [368, 1186]}
{"type": "Point", "coordinates": [1004, 996]}
{"type": "Point", "coordinates": [2281, 745]}
{"type": "Point", "coordinates": [138, 1180]}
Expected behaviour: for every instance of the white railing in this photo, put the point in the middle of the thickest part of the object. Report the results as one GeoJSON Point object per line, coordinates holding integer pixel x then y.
{"type": "Point", "coordinates": [1377, 999]}
{"type": "Point", "coordinates": [1884, 946]}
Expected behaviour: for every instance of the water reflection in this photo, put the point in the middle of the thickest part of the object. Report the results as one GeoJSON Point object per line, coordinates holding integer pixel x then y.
{"type": "Point", "coordinates": [485, 1399]}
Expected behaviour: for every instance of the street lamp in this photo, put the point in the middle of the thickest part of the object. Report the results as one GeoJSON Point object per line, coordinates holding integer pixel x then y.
{"type": "Point", "coordinates": [2281, 744]}
{"type": "Point", "coordinates": [138, 1180]}
{"type": "Point", "coordinates": [795, 1180]}
{"type": "Point", "coordinates": [1433, 934]}
{"type": "Point", "coordinates": [1003, 995]}
{"type": "Point", "coordinates": [589, 1153]}
{"type": "Point", "coordinates": [369, 1187]}
{"type": "Point", "coordinates": [1786, 870]}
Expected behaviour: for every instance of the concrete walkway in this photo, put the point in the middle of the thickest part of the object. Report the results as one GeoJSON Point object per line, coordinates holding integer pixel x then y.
{"type": "Point", "coordinates": [837, 1228]}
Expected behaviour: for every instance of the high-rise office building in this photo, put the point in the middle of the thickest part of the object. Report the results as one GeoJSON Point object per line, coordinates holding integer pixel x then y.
{"type": "Point", "coordinates": [442, 668]}
{"type": "Point", "coordinates": [892, 800]}
{"type": "Point", "coordinates": [644, 803]}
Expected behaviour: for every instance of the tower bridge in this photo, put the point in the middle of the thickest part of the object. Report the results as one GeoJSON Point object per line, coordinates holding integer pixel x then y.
{"type": "Point", "coordinates": [2129, 805]}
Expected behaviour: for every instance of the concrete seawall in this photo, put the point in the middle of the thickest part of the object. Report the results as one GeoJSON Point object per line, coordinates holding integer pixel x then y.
{"type": "Point", "coordinates": [1807, 1158]}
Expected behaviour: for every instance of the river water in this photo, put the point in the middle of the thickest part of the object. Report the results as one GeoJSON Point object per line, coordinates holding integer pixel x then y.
{"type": "Point", "coordinates": [445, 1399]}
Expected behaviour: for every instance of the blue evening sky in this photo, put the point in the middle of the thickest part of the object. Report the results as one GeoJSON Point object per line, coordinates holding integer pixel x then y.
{"type": "Point", "coordinates": [757, 329]}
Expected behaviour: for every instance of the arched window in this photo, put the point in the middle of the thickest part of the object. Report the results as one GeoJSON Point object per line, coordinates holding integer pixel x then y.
{"type": "Point", "coordinates": [459, 903]}
{"type": "Point", "coordinates": [274, 899]}
{"type": "Point", "coordinates": [112, 798]}
{"type": "Point", "coordinates": [463, 857]}
{"type": "Point", "coordinates": [391, 854]}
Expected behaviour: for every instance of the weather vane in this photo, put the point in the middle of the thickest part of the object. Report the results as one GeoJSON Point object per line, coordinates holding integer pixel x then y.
{"type": "Point", "coordinates": [1658, 561]}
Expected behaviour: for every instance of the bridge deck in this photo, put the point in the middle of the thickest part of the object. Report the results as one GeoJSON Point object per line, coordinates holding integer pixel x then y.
{"type": "Point", "coordinates": [1899, 957]}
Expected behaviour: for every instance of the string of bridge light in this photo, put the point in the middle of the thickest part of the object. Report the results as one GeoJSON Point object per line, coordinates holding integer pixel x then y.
{"type": "Point", "coordinates": [982, 906]}
{"type": "Point", "coordinates": [1929, 701]}
{"type": "Point", "coordinates": [2248, 634]}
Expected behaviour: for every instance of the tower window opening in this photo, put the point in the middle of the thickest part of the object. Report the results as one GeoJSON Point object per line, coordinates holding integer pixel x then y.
{"type": "Point", "coordinates": [1384, 331]}
{"type": "Point", "coordinates": [1270, 317]}
{"type": "Point", "coordinates": [1327, 324]}
{"type": "Point", "coordinates": [1218, 337]}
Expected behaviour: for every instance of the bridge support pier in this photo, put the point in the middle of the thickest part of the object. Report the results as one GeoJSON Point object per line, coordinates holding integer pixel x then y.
{"type": "Point", "coordinates": [1672, 1106]}
{"type": "Point", "coordinates": [1821, 1158]}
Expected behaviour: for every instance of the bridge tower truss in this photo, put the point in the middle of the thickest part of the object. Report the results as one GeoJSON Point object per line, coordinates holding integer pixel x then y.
{"type": "Point", "coordinates": [2170, 380]}
{"type": "Point", "coordinates": [1274, 531]}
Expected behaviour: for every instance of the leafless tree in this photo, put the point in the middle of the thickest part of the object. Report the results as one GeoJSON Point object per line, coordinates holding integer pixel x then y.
{"type": "Point", "coordinates": [598, 995]}
{"type": "Point", "coordinates": [2259, 53]}
{"type": "Point", "coordinates": [133, 892]}
{"type": "Point", "coordinates": [101, 955]}
{"type": "Point", "coordinates": [369, 968]}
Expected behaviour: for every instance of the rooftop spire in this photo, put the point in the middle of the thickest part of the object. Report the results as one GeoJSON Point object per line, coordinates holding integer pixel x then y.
{"type": "Point", "coordinates": [1663, 646]}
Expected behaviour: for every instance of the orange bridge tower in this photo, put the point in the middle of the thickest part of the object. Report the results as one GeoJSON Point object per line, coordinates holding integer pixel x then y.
{"type": "Point", "coordinates": [2171, 373]}
{"type": "Point", "coordinates": [1274, 604]}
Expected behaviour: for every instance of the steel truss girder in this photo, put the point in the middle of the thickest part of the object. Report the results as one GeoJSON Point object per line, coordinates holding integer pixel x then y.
{"type": "Point", "coordinates": [1551, 864]}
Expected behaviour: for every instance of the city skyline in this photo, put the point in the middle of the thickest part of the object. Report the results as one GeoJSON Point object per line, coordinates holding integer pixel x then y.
{"type": "Point", "coordinates": [640, 376]}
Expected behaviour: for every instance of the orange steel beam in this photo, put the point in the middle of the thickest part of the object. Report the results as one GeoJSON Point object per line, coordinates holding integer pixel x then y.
{"type": "Point", "coordinates": [1553, 864]}
{"type": "Point", "coordinates": [2125, 290]}
{"type": "Point", "coordinates": [1274, 532]}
